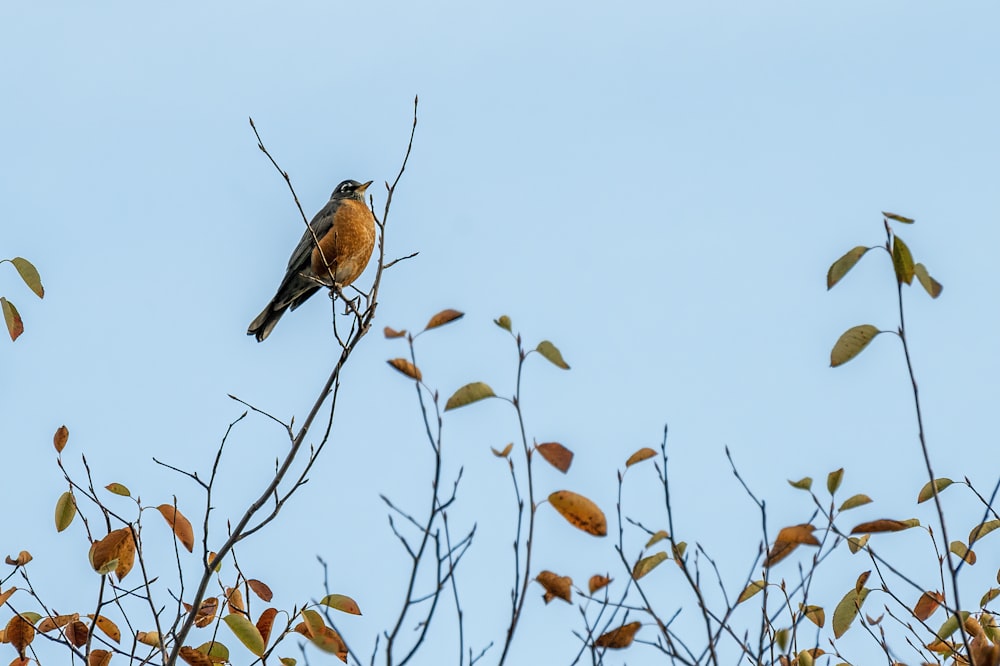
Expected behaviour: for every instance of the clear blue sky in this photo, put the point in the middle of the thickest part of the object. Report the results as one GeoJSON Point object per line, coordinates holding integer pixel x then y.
{"type": "Point", "coordinates": [657, 187]}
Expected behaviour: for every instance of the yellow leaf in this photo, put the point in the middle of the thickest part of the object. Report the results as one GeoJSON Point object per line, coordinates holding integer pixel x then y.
{"type": "Point", "coordinates": [505, 452]}
{"type": "Point", "coordinates": [65, 511]}
{"type": "Point", "coordinates": [407, 368]}
{"type": "Point", "coordinates": [246, 632]}
{"type": "Point", "coordinates": [647, 564]}
{"type": "Point", "coordinates": [108, 628]}
{"type": "Point", "coordinates": [857, 543]}
{"type": "Point", "coordinates": [805, 483]}
{"type": "Point", "coordinates": [751, 590]}
{"type": "Point", "coordinates": [898, 218]}
{"type": "Point", "coordinates": [29, 274]}
{"type": "Point", "coordinates": [549, 351]}
{"type": "Point", "coordinates": [469, 394]}
{"type": "Point", "coordinates": [840, 267]}
{"type": "Point", "coordinates": [927, 492]}
{"type": "Point", "coordinates": [580, 512]}
{"type": "Point", "coordinates": [503, 321]}
{"type": "Point", "coordinates": [854, 501]}
{"type": "Point", "coordinates": [814, 614]}
{"type": "Point", "coordinates": [963, 552]}
{"type": "Point", "coordinates": [118, 489]}
{"type": "Point", "coordinates": [930, 285]}
{"type": "Point", "coordinates": [852, 343]}
{"type": "Point", "coordinates": [342, 603]}
{"type": "Point", "coordinates": [556, 455]}
{"type": "Point", "coordinates": [180, 525]}
{"type": "Point", "coordinates": [833, 480]}
{"type": "Point", "coordinates": [660, 535]}
{"type": "Point", "coordinates": [645, 453]}
{"type": "Point", "coordinates": [902, 260]}
{"type": "Point", "coordinates": [982, 529]}
{"type": "Point", "coordinates": [443, 317]}
{"type": "Point", "coordinates": [847, 610]}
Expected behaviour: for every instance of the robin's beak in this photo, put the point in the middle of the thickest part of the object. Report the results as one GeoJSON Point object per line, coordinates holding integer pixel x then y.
{"type": "Point", "coordinates": [361, 190]}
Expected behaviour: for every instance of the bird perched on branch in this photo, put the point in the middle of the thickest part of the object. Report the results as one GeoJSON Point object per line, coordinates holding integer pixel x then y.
{"type": "Point", "coordinates": [339, 242]}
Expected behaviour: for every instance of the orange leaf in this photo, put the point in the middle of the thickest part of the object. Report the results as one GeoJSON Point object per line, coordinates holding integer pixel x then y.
{"type": "Point", "coordinates": [324, 637]}
{"type": "Point", "coordinates": [180, 525]}
{"type": "Point", "coordinates": [789, 538]}
{"type": "Point", "coordinates": [109, 628]}
{"type": "Point", "coordinates": [99, 658]}
{"type": "Point", "coordinates": [6, 595]}
{"type": "Point", "coordinates": [620, 637]}
{"type": "Point", "coordinates": [76, 633]}
{"type": "Point", "coordinates": [22, 558]}
{"type": "Point", "coordinates": [260, 589]}
{"type": "Point", "coordinates": [265, 622]}
{"type": "Point", "coordinates": [49, 623]}
{"type": "Point", "coordinates": [884, 525]}
{"type": "Point", "coordinates": [645, 453]}
{"type": "Point", "coordinates": [393, 333]}
{"type": "Point", "coordinates": [555, 586]}
{"type": "Point", "coordinates": [504, 453]}
{"type": "Point", "coordinates": [580, 512]}
{"type": "Point", "coordinates": [859, 584]}
{"type": "Point", "coordinates": [206, 612]}
{"type": "Point", "coordinates": [927, 604]}
{"type": "Point", "coordinates": [195, 657]}
{"type": "Point", "coordinates": [234, 599]}
{"type": "Point", "coordinates": [557, 455]}
{"type": "Point", "coordinates": [407, 368]}
{"type": "Point", "coordinates": [115, 552]}
{"type": "Point", "coordinates": [443, 317]}
{"type": "Point", "coordinates": [598, 582]}
{"type": "Point", "coordinates": [19, 633]}
{"type": "Point", "coordinates": [60, 438]}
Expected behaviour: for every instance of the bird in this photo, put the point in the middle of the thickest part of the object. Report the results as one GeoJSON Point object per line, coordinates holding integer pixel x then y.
{"type": "Point", "coordinates": [345, 231]}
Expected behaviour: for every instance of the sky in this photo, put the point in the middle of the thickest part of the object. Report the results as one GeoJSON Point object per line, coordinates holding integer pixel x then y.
{"type": "Point", "coordinates": [656, 187]}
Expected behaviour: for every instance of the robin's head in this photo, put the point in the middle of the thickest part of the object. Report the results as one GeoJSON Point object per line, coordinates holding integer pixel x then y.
{"type": "Point", "coordinates": [351, 189]}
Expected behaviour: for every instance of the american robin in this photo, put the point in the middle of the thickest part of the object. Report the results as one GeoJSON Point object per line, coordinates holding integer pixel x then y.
{"type": "Point", "coordinates": [345, 230]}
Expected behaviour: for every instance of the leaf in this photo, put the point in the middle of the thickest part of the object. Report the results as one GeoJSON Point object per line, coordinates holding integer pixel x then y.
{"type": "Point", "coordinates": [443, 317]}
{"type": "Point", "coordinates": [391, 333]}
{"type": "Point", "coordinates": [287, 661]}
{"type": "Point", "coordinates": [990, 595]}
{"type": "Point", "coordinates": [855, 543]}
{"type": "Point", "coordinates": [22, 558]}
{"type": "Point", "coordinates": [407, 368]}
{"type": "Point", "coordinates": [982, 529]}
{"type": "Point", "coordinates": [108, 628]}
{"type": "Point", "coordinates": [503, 321]}
{"type": "Point", "coordinates": [930, 285]}
{"type": "Point", "coordinates": [647, 564]}
{"type": "Point", "coordinates": [65, 511]}
{"type": "Point", "coordinates": [76, 633]}
{"type": "Point", "coordinates": [580, 512]}
{"type": "Point", "coordinates": [151, 638]}
{"type": "Point", "coordinates": [206, 612]}
{"type": "Point", "coordinates": [963, 552]}
{"type": "Point", "coordinates": [852, 343]}
{"type": "Point", "coordinates": [260, 589]}
{"type": "Point", "coordinates": [598, 582]}
{"type": "Point", "coordinates": [556, 455]}
{"type": "Point", "coordinates": [898, 218]}
{"type": "Point", "coordinates": [854, 501]}
{"type": "Point", "coordinates": [927, 492]}
{"type": "Point", "coordinates": [556, 586]}
{"type": "Point", "coordinates": [4, 596]}
{"type": "Point", "coordinates": [551, 354]}
{"type": "Point", "coordinates": [234, 600]}
{"type": "Point", "coordinates": [15, 326]}
{"type": "Point", "coordinates": [645, 453]}
{"type": "Point", "coordinates": [19, 633]}
{"type": "Point", "coordinates": [788, 539]}
{"type": "Point", "coordinates": [322, 636]}
{"type": "Point", "coordinates": [469, 394]}
{"type": "Point", "coordinates": [781, 638]}
{"type": "Point", "coordinates": [862, 579]}
{"type": "Point", "coordinates": [49, 623]}
{"type": "Point", "coordinates": [30, 275]}
{"type": "Point", "coordinates": [660, 535]}
{"type": "Point", "coordinates": [194, 657]}
{"type": "Point", "coordinates": [619, 638]}
{"type": "Point", "coordinates": [180, 525]}
{"type": "Point", "coordinates": [927, 604]}
{"type": "Point", "coordinates": [950, 625]}
{"type": "Point", "coordinates": [342, 603]}
{"type": "Point", "coordinates": [99, 658]}
{"type": "Point", "coordinates": [805, 483]}
{"type": "Point", "coordinates": [115, 552]}
{"type": "Point", "coordinates": [885, 525]}
{"type": "Point", "coordinates": [118, 489]}
{"type": "Point", "coordinates": [814, 614]}
{"type": "Point", "coordinates": [246, 632]}
{"type": "Point", "coordinates": [265, 622]}
{"type": "Point", "coordinates": [847, 610]}
{"type": "Point", "coordinates": [751, 591]}
{"type": "Point", "coordinates": [60, 438]}
{"type": "Point", "coordinates": [902, 260]}
{"type": "Point", "coordinates": [216, 650]}
{"type": "Point", "coordinates": [833, 480]}
{"type": "Point", "coordinates": [839, 268]}
{"type": "Point", "coordinates": [505, 452]}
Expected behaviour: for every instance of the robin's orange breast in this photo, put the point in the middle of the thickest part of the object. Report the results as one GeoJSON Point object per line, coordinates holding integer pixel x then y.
{"type": "Point", "coordinates": [348, 245]}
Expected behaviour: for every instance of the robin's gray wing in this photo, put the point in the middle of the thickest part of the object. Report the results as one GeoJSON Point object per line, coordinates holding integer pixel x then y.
{"type": "Point", "coordinates": [295, 288]}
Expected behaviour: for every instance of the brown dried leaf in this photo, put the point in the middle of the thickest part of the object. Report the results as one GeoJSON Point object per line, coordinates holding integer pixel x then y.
{"type": "Point", "coordinates": [195, 657]}
{"type": "Point", "coordinates": [115, 552]}
{"type": "Point", "coordinates": [443, 317]}
{"type": "Point", "coordinates": [862, 579]}
{"type": "Point", "coordinates": [619, 638]}
{"type": "Point", "coordinates": [580, 512]}
{"type": "Point", "coordinates": [790, 538]}
{"type": "Point", "coordinates": [556, 586]}
{"type": "Point", "coordinates": [324, 637]}
{"type": "Point", "coordinates": [407, 368]}
{"type": "Point", "coordinates": [265, 622]}
{"type": "Point", "coordinates": [645, 453]}
{"type": "Point", "coordinates": [150, 638]}
{"type": "Point", "coordinates": [76, 633]}
{"type": "Point", "coordinates": [557, 455]}
{"type": "Point", "coordinates": [4, 596]}
{"type": "Point", "coordinates": [260, 589]}
{"type": "Point", "coordinates": [22, 558]}
{"type": "Point", "coordinates": [49, 623]}
{"type": "Point", "coordinates": [19, 633]}
{"type": "Point", "coordinates": [504, 453]}
{"type": "Point", "coordinates": [60, 438]}
{"type": "Point", "coordinates": [927, 604]}
{"type": "Point", "coordinates": [234, 601]}
{"type": "Point", "coordinates": [963, 552]}
{"type": "Point", "coordinates": [179, 524]}
{"type": "Point", "coordinates": [108, 628]}
{"type": "Point", "coordinates": [206, 612]}
{"type": "Point", "coordinates": [15, 325]}
{"type": "Point", "coordinates": [884, 525]}
{"type": "Point", "coordinates": [393, 333]}
{"type": "Point", "coordinates": [597, 582]}
{"type": "Point", "coordinates": [99, 658]}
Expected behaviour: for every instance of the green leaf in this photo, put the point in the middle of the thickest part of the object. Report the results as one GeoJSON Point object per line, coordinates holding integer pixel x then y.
{"type": "Point", "coordinates": [30, 275]}
{"type": "Point", "coordinates": [781, 639]}
{"type": "Point", "coordinates": [342, 603]}
{"type": "Point", "coordinates": [930, 285]}
{"type": "Point", "coordinates": [118, 489]}
{"type": "Point", "coordinates": [833, 480]}
{"type": "Point", "coordinates": [847, 610]}
{"type": "Point", "coordinates": [503, 321]}
{"type": "Point", "coordinates": [854, 501]}
{"type": "Point", "coordinates": [982, 529]}
{"type": "Point", "coordinates": [469, 394]}
{"type": "Point", "coordinates": [65, 511]}
{"type": "Point", "coordinates": [990, 595]}
{"type": "Point", "coordinates": [898, 218]}
{"type": "Point", "coordinates": [839, 268]}
{"type": "Point", "coordinates": [647, 564]}
{"type": "Point", "coordinates": [902, 260]}
{"type": "Point", "coordinates": [805, 483]}
{"type": "Point", "coordinates": [549, 351]}
{"type": "Point", "coordinates": [950, 626]}
{"type": "Point", "coordinates": [751, 590]}
{"type": "Point", "coordinates": [214, 649]}
{"type": "Point", "coordinates": [13, 320]}
{"type": "Point", "coordinates": [927, 491]}
{"type": "Point", "coordinates": [852, 343]}
{"type": "Point", "coordinates": [246, 632]}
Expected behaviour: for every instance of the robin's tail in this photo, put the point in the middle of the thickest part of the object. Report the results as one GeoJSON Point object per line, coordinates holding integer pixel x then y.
{"type": "Point", "coordinates": [266, 320]}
